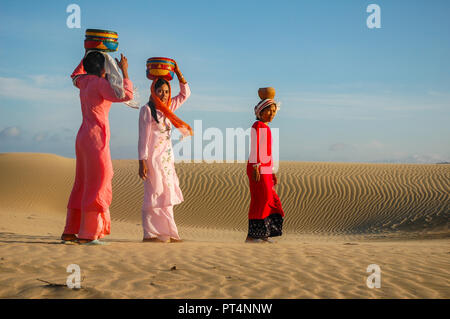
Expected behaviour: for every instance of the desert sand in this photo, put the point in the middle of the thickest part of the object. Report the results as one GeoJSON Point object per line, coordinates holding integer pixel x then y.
{"type": "Point", "coordinates": [340, 218]}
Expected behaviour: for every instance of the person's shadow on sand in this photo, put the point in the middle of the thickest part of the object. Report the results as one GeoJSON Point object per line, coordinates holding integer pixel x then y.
{"type": "Point", "coordinates": [6, 237]}
{"type": "Point", "coordinates": [9, 238]}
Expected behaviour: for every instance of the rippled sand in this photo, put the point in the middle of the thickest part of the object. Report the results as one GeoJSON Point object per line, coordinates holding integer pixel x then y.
{"type": "Point", "coordinates": [340, 218]}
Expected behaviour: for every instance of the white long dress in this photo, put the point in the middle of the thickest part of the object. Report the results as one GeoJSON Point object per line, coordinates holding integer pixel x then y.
{"type": "Point", "coordinates": [161, 188]}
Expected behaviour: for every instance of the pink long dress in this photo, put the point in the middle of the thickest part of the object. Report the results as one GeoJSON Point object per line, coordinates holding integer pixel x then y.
{"type": "Point", "coordinates": [88, 207]}
{"type": "Point", "coordinates": [161, 188]}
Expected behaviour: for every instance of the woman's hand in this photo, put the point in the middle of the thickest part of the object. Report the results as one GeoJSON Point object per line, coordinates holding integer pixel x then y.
{"type": "Point", "coordinates": [179, 74]}
{"type": "Point", "coordinates": [256, 174]}
{"type": "Point", "coordinates": [177, 69]}
{"type": "Point", "coordinates": [275, 180]}
{"type": "Point", "coordinates": [142, 169]}
{"type": "Point", "coordinates": [123, 65]}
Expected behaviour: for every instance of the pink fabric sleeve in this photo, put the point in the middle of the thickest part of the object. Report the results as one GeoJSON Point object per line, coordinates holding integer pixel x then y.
{"type": "Point", "coordinates": [107, 91]}
{"type": "Point", "coordinates": [144, 132]}
{"type": "Point", "coordinates": [79, 70]}
{"type": "Point", "coordinates": [185, 92]}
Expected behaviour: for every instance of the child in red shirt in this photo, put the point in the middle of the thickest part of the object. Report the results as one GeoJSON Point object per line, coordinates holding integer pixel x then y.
{"type": "Point", "coordinates": [265, 214]}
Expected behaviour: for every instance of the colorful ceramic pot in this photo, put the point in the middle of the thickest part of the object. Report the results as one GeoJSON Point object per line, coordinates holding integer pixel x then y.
{"type": "Point", "coordinates": [159, 67]}
{"type": "Point", "coordinates": [101, 40]}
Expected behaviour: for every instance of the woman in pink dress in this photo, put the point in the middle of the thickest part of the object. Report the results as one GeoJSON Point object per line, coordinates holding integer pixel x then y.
{"type": "Point", "coordinates": [156, 162]}
{"type": "Point", "coordinates": [88, 207]}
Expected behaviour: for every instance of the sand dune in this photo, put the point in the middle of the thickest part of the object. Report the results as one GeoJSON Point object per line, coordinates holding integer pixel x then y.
{"type": "Point", "coordinates": [340, 217]}
{"type": "Point", "coordinates": [317, 197]}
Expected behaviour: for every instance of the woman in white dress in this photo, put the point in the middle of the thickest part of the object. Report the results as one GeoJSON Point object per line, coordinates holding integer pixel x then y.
{"type": "Point", "coordinates": [156, 160]}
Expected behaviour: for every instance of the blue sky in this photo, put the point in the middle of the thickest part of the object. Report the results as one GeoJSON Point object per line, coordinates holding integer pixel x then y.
{"type": "Point", "coordinates": [348, 93]}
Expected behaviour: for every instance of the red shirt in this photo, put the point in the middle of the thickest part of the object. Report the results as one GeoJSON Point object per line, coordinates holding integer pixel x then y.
{"type": "Point", "coordinates": [261, 147]}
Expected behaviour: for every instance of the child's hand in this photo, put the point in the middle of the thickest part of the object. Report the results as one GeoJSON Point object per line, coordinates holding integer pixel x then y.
{"type": "Point", "coordinates": [275, 180]}
{"type": "Point", "coordinates": [256, 174]}
{"type": "Point", "coordinates": [142, 170]}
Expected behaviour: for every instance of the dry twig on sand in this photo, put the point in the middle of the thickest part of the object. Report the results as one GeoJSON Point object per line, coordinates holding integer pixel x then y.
{"type": "Point", "coordinates": [52, 284]}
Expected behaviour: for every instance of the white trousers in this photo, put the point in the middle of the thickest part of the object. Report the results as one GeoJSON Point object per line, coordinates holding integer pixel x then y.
{"type": "Point", "coordinates": [159, 222]}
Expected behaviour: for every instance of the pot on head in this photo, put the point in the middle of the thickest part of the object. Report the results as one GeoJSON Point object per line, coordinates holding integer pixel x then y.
{"type": "Point", "coordinates": [266, 93]}
{"type": "Point", "coordinates": [101, 40]}
{"type": "Point", "coordinates": [159, 67]}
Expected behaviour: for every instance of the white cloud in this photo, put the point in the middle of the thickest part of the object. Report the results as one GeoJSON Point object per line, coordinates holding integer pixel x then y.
{"type": "Point", "coordinates": [428, 158]}
{"type": "Point", "coordinates": [225, 104]}
{"type": "Point", "coordinates": [359, 106]}
{"type": "Point", "coordinates": [375, 145]}
{"type": "Point", "coordinates": [59, 135]}
{"type": "Point", "coordinates": [45, 80]}
{"type": "Point", "coordinates": [415, 159]}
{"type": "Point", "coordinates": [37, 88]}
{"type": "Point", "coordinates": [340, 147]}
{"type": "Point", "coordinates": [12, 132]}
{"type": "Point", "coordinates": [438, 93]}
{"type": "Point", "coordinates": [372, 146]}
{"type": "Point", "coordinates": [39, 137]}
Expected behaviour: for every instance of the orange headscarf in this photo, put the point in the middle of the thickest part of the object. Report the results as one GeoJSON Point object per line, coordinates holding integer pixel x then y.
{"type": "Point", "coordinates": [184, 128]}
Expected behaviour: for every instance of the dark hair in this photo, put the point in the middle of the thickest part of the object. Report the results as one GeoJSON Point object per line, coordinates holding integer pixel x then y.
{"type": "Point", "coordinates": [158, 84]}
{"type": "Point", "coordinates": [94, 63]}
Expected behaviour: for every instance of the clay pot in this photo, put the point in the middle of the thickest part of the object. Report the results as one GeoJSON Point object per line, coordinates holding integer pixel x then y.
{"type": "Point", "coordinates": [266, 93]}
